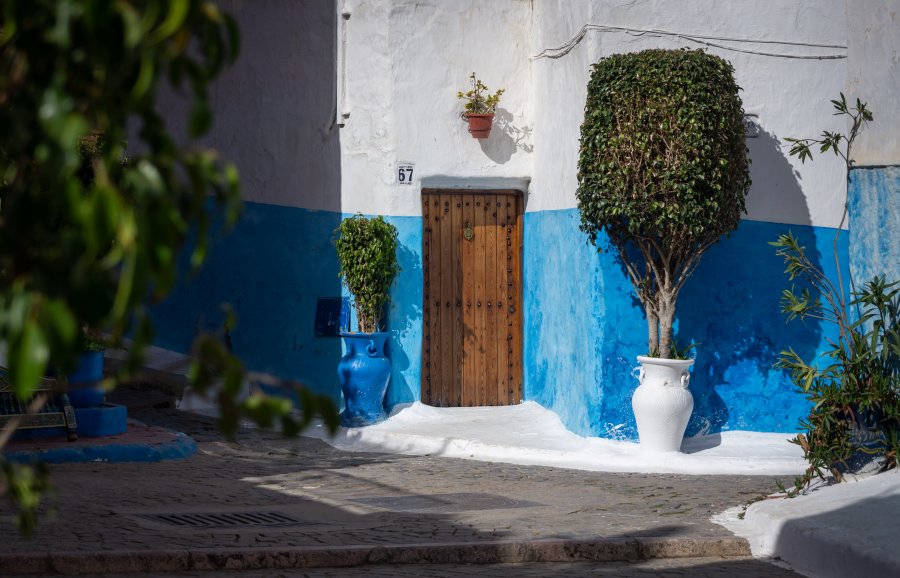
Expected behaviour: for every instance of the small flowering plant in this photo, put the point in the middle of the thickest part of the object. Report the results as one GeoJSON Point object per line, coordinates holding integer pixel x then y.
{"type": "Point", "coordinates": [478, 99]}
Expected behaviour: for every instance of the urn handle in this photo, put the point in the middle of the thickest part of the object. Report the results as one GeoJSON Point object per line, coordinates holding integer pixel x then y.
{"type": "Point", "coordinates": [685, 379]}
{"type": "Point", "coordinates": [372, 349]}
{"type": "Point", "coordinates": [638, 373]}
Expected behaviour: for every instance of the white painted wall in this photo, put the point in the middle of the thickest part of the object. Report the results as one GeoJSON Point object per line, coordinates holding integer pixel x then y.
{"type": "Point", "coordinates": [874, 63]}
{"type": "Point", "coordinates": [560, 91]}
{"type": "Point", "coordinates": [790, 96]}
{"type": "Point", "coordinates": [404, 62]}
{"type": "Point", "coordinates": [274, 109]}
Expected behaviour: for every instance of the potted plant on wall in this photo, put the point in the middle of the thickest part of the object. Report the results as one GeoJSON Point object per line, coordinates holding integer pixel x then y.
{"type": "Point", "coordinates": [663, 173]}
{"type": "Point", "coordinates": [480, 107]}
{"type": "Point", "coordinates": [367, 255]}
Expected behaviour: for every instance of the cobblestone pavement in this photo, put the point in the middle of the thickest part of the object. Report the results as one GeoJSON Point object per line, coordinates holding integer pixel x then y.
{"type": "Point", "coordinates": [664, 568]}
{"type": "Point", "coordinates": [335, 498]}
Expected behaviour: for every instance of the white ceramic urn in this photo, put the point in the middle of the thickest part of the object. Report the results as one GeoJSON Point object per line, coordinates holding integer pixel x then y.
{"type": "Point", "coordinates": [662, 402]}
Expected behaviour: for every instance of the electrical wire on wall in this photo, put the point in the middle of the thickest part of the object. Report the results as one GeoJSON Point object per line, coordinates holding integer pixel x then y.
{"type": "Point", "coordinates": [711, 41]}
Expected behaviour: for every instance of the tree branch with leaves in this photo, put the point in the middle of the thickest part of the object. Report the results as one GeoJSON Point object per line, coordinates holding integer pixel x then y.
{"type": "Point", "coordinates": [96, 253]}
{"type": "Point", "coordinates": [854, 399]}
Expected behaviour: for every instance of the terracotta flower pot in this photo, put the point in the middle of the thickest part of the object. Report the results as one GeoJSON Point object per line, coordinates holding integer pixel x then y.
{"type": "Point", "coordinates": [480, 125]}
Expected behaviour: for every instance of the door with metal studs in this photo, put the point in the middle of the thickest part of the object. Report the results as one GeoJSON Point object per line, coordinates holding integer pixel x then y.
{"type": "Point", "coordinates": [471, 295]}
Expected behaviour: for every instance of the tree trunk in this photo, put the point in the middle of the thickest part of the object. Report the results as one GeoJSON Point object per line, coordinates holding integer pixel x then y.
{"type": "Point", "coordinates": [653, 331]}
{"type": "Point", "coordinates": [364, 323]}
{"type": "Point", "coordinates": [666, 320]}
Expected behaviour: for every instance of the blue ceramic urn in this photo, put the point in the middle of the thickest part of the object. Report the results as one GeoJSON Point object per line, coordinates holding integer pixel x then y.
{"type": "Point", "coordinates": [84, 382]}
{"type": "Point", "coordinates": [364, 373]}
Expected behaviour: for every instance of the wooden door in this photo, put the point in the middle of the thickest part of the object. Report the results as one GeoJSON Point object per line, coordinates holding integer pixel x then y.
{"type": "Point", "coordinates": [472, 334]}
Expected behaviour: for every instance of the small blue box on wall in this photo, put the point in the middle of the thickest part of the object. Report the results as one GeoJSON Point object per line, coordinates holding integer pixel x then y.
{"type": "Point", "coordinates": [332, 316]}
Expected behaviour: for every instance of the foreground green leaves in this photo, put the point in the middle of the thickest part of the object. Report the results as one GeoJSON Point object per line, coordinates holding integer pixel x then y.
{"type": "Point", "coordinates": [26, 488]}
{"type": "Point", "coordinates": [97, 199]}
{"type": "Point", "coordinates": [90, 244]}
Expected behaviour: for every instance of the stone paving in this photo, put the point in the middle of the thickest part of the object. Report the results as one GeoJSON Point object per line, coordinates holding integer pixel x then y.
{"type": "Point", "coordinates": [662, 568]}
{"type": "Point", "coordinates": [336, 500]}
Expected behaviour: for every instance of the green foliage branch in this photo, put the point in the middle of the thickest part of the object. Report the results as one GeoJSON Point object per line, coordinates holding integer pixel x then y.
{"type": "Point", "coordinates": [841, 145]}
{"type": "Point", "coordinates": [857, 394]}
{"type": "Point", "coordinates": [84, 237]}
{"type": "Point", "coordinates": [87, 240]}
{"type": "Point", "coordinates": [478, 99]}
{"type": "Point", "coordinates": [662, 169]}
{"type": "Point", "coordinates": [367, 253]}
{"type": "Point", "coordinates": [27, 488]}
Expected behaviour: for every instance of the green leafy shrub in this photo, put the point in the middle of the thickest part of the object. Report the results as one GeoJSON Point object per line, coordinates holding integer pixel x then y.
{"type": "Point", "coordinates": [86, 239]}
{"type": "Point", "coordinates": [662, 170]}
{"type": "Point", "coordinates": [855, 412]}
{"type": "Point", "coordinates": [367, 252]}
{"type": "Point", "coordinates": [478, 99]}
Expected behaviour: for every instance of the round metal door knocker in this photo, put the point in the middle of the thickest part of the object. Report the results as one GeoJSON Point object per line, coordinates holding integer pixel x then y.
{"type": "Point", "coordinates": [468, 232]}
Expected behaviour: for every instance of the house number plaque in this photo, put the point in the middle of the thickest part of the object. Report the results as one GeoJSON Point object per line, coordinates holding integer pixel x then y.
{"type": "Point", "coordinates": [405, 173]}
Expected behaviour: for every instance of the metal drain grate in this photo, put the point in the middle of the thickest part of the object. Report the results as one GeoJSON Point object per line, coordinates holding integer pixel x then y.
{"type": "Point", "coordinates": [461, 502]}
{"type": "Point", "coordinates": [227, 520]}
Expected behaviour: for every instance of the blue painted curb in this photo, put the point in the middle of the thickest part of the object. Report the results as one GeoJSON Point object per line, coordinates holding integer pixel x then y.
{"type": "Point", "coordinates": [182, 446]}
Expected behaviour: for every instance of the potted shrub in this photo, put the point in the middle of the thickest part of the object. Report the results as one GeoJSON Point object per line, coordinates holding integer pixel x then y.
{"type": "Point", "coordinates": [480, 107]}
{"type": "Point", "coordinates": [85, 389]}
{"type": "Point", "coordinates": [663, 173]}
{"type": "Point", "coordinates": [367, 254]}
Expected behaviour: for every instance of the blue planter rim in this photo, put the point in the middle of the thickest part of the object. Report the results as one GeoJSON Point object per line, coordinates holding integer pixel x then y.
{"type": "Point", "coordinates": [365, 335]}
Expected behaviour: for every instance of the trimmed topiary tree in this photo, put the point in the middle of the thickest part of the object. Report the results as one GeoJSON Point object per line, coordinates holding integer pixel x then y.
{"type": "Point", "coordinates": [663, 169]}
{"type": "Point", "coordinates": [367, 252]}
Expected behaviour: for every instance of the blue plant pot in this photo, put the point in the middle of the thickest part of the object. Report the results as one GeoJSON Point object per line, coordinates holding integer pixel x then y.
{"type": "Point", "coordinates": [84, 389]}
{"type": "Point", "coordinates": [868, 440]}
{"type": "Point", "coordinates": [364, 373]}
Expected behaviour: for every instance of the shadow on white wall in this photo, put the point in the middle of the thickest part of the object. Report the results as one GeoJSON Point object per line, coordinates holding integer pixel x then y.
{"type": "Point", "coordinates": [506, 138]}
{"type": "Point", "coordinates": [776, 184]}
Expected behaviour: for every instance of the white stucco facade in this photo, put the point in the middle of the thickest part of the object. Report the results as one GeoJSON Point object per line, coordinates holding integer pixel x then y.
{"type": "Point", "coordinates": [789, 96]}
{"type": "Point", "coordinates": [875, 77]}
{"type": "Point", "coordinates": [327, 98]}
{"type": "Point", "coordinates": [274, 108]}
{"type": "Point", "coordinates": [403, 62]}
{"type": "Point", "coordinates": [393, 68]}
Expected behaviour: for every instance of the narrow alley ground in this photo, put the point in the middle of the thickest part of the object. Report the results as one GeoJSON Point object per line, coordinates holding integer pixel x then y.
{"type": "Point", "coordinates": [324, 499]}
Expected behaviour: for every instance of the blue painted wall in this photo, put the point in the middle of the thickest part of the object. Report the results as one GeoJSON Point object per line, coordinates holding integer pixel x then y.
{"type": "Point", "coordinates": [271, 268]}
{"type": "Point", "coordinates": [582, 325]}
{"type": "Point", "coordinates": [583, 329]}
{"type": "Point", "coordinates": [569, 309]}
{"type": "Point", "coordinates": [874, 198]}
{"type": "Point", "coordinates": [405, 314]}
